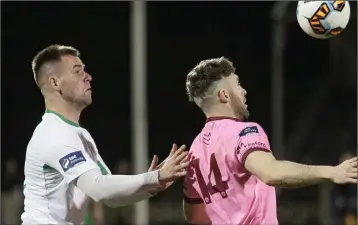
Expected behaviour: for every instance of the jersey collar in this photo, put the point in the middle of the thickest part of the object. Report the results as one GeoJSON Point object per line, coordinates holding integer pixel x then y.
{"type": "Point", "coordinates": [63, 118]}
{"type": "Point", "coordinates": [209, 119]}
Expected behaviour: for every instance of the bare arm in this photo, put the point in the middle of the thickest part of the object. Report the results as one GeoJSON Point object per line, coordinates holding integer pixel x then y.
{"type": "Point", "coordinates": [288, 174]}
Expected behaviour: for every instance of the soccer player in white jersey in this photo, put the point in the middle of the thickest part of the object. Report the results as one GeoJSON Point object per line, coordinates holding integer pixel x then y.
{"type": "Point", "coordinates": [63, 167]}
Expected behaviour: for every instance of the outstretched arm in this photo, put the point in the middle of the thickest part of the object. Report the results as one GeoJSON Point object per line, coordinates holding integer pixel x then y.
{"type": "Point", "coordinates": [116, 188]}
{"type": "Point", "coordinates": [127, 189]}
{"type": "Point", "coordinates": [253, 151]}
{"type": "Point", "coordinates": [288, 174]}
{"type": "Point", "coordinates": [116, 202]}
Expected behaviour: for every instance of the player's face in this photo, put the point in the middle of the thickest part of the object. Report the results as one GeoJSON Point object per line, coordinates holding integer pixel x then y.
{"type": "Point", "coordinates": [237, 98]}
{"type": "Point", "coordinates": [75, 82]}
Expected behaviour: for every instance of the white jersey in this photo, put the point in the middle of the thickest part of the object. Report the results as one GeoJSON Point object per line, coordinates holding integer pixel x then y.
{"type": "Point", "coordinates": [58, 153]}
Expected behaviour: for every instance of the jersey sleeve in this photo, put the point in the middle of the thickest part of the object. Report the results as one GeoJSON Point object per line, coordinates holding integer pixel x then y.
{"type": "Point", "coordinates": [191, 196]}
{"type": "Point", "coordinates": [71, 160]}
{"type": "Point", "coordinates": [251, 138]}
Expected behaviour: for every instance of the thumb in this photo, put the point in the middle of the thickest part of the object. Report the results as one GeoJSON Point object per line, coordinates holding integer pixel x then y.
{"type": "Point", "coordinates": [154, 163]}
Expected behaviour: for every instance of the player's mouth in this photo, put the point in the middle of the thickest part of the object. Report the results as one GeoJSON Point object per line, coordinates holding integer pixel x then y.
{"type": "Point", "coordinates": [89, 90]}
{"type": "Point", "coordinates": [245, 105]}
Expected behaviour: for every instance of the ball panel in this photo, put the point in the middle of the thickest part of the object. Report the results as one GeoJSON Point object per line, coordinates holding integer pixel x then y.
{"type": "Point", "coordinates": [338, 5]}
{"type": "Point", "coordinates": [340, 19]}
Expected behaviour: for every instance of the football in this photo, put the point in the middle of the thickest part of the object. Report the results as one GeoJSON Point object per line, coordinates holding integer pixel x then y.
{"type": "Point", "coordinates": [323, 19]}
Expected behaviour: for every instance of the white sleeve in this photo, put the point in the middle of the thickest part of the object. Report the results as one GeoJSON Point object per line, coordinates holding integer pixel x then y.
{"type": "Point", "coordinates": [70, 161]}
{"type": "Point", "coordinates": [117, 202]}
{"type": "Point", "coordinates": [122, 201]}
{"type": "Point", "coordinates": [125, 188]}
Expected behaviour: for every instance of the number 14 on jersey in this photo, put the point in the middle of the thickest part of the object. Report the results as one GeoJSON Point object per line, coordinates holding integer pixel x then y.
{"type": "Point", "coordinates": [209, 189]}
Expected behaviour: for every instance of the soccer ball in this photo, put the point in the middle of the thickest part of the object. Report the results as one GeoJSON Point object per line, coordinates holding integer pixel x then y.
{"type": "Point", "coordinates": [323, 19]}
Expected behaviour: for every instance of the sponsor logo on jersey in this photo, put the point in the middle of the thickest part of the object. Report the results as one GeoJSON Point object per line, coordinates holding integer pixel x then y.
{"type": "Point", "coordinates": [250, 145]}
{"type": "Point", "coordinates": [249, 130]}
{"type": "Point", "coordinates": [71, 160]}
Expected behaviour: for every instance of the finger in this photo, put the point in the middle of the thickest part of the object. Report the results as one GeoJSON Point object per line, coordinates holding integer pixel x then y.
{"type": "Point", "coordinates": [352, 180]}
{"type": "Point", "coordinates": [180, 174]}
{"type": "Point", "coordinates": [151, 164]}
{"type": "Point", "coordinates": [354, 164]}
{"type": "Point", "coordinates": [154, 163]}
{"type": "Point", "coordinates": [162, 163]}
{"type": "Point", "coordinates": [181, 157]}
{"type": "Point", "coordinates": [352, 175]}
{"type": "Point", "coordinates": [354, 159]}
{"type": "Point", "coordinates": [182, 166]}
{"type": "Point", "coordinates": [179, 151]}
{"type": "Point", "coordinates": [186, 159]}
{"type": "Point", "coordinates": [174, 149]}
{"type": "Point", "coordinates": [353, 170]}
{"type": "Point", "coordinates": [155, 160]}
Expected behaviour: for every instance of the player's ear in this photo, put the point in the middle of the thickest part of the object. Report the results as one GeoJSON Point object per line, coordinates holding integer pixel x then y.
{"type": "Point", "coordinates": [223, 96]}
{"type": "Point", "coordinates": [54, 82]}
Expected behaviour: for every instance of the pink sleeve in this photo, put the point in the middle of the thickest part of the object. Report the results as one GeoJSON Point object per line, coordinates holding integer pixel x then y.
{"type": "Point", "coordinates": [191, 196]}
{"type": "Point", "coordinates": [251, 138]}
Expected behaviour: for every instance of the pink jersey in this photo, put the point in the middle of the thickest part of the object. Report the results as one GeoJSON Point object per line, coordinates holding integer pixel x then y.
{"type": "Point", "coordinates": [218, 178]}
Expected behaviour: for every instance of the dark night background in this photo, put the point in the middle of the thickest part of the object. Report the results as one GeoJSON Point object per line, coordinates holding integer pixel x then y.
{"type": "Point", "coordinates": [180, 34]}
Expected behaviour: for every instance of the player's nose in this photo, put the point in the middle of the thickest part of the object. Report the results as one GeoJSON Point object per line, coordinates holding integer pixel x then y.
{"type": "Point", "coordinates": [244, 91]}
{"type": "Point", "coordinates": [88, 77]}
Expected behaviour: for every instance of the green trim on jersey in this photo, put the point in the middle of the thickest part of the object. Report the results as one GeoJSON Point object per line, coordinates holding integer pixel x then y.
{"type": "Point", "coordinates": [102, 168]}
{"type": "Point", "coordinates": [63, 118]}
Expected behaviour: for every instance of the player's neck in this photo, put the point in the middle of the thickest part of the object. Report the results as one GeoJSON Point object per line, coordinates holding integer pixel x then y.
{"type": "Point", "coordinates": [220, 113]}
{"type": "Point", "coordinates": [66, 110]}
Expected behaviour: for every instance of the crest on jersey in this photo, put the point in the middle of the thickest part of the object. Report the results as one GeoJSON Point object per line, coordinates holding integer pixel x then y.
{"type": "Point", "coordinates": [249, 130]}
{"type": "Point", "coordinates": [88, 146]}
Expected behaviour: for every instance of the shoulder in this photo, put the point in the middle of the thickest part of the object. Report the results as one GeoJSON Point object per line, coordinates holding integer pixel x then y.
{"type": "Point", "coordinates": [53, 134]}
{"type": "Point", "coordinates": [250, 128]}
{"type": "Point", "coordinates": [237, 129]}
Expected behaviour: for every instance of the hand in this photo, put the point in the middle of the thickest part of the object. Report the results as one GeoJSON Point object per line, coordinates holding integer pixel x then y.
{"type": "Point", "coordinates": [165, 185]}
{"type": "Point", "coordinates": [154, 166]}
{"type": "Point", "coordinates": [174, 166]}
{"type": "Point", "coordinates": [346, 172]}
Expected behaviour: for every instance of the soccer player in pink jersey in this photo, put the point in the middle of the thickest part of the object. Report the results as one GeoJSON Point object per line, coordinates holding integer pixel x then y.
{"type": "Point", "coordinates": [232, 171]}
